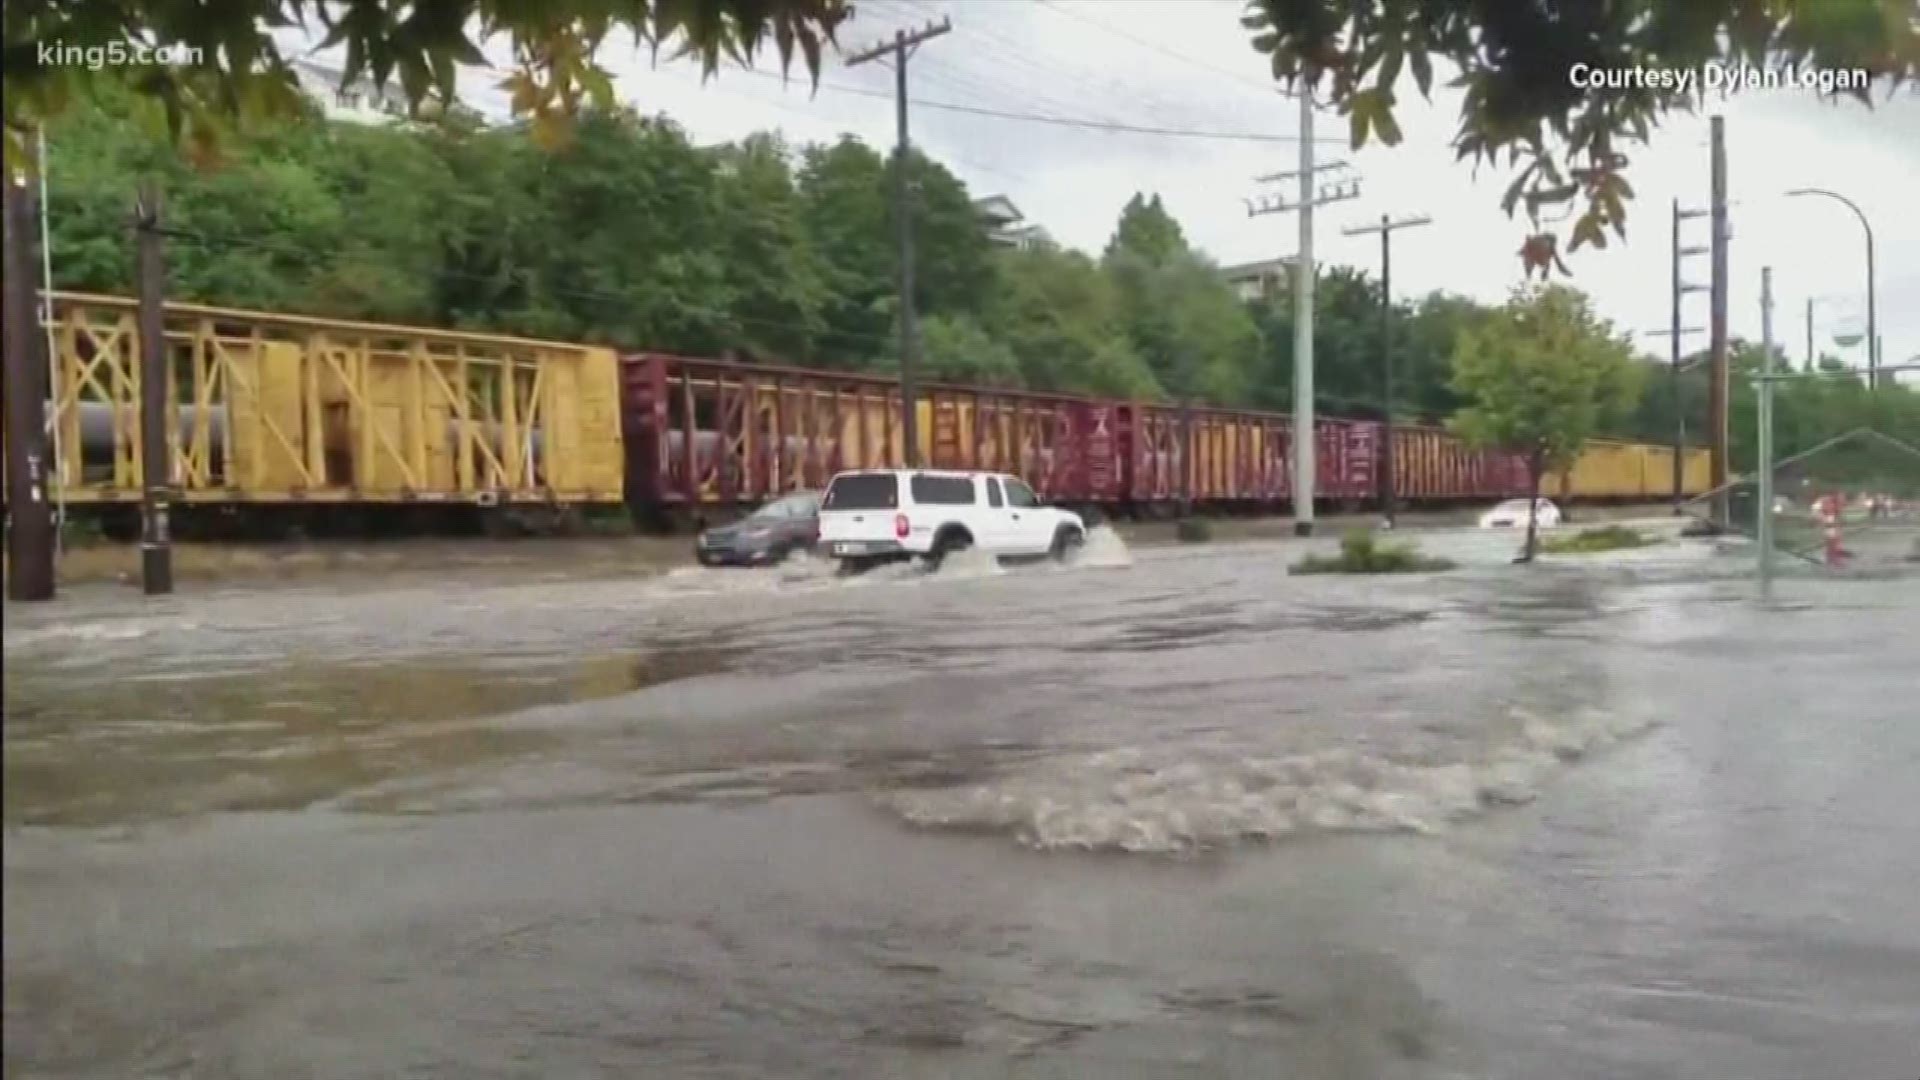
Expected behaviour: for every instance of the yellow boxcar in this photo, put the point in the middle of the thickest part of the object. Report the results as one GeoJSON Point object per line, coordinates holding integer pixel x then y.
{"type": "Point", "coordinates": [274, 408]}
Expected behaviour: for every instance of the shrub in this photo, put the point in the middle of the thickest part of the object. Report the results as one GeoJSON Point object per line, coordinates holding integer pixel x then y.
{"type": "Point", "coordinates": [1609, 538]}
{"type": "Point", "coordinates": [1193, 530]}
{"type": "Point", "coordinates": [1361, 554]}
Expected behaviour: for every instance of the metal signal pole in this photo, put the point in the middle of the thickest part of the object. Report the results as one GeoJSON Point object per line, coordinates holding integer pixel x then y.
{"type": "Point", "coordinates": [903, 45]}
{"type": "Point", "coordinates": [1342, 186]}
{"type": "Point", "coordinates": [1386, 229]}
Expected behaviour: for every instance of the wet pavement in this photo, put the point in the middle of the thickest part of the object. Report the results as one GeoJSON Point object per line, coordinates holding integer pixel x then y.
{"type": "Point", "coordinates": [1171, 813]}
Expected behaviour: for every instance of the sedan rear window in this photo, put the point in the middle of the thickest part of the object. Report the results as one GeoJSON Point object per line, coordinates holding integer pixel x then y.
{"type": "Point", "coordinates": [863, 491]}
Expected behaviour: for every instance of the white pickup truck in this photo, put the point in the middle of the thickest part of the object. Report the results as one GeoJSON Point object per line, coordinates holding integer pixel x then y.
{"type": "Point", "coordinates": [877, 516]}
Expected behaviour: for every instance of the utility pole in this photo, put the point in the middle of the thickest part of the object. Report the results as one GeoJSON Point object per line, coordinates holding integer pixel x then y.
{"type": "Point", "coordinates": [1342, 186]}
{"type": "Point", "coordinates": [1386, 229]}
{"type": "Point", "coordinates": [156, 544]}
{"type": "Point", "coordinates": [1680, 289]}
{"type": "Point", "coordinates": [1810, 333]}
{"type": "Point", "coordinates": [1763, 524]}
{"type": "Point", "coordinates": [903, 45]}
{"type": "Point", "coordinates": [30, 531]}
{"type": "Point", "coordinates": [1717, 323]}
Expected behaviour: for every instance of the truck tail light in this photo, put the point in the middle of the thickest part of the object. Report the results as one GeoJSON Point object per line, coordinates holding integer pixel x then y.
{"type": "Point", "coordinates": [901, 526]}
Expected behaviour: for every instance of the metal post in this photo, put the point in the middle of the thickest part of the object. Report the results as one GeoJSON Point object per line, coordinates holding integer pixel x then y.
{"type": "Point", "coordinates": [1717, 430]}
{"type": "Point", "coordinates": [30, 532]}
{"type": "Point", "coordinates": [1673, 375]}
{"type": "Point", "coordinates": [1809, 333]}
{"type": "Point", "coordinates": [901, 47]}
{"type": "Point", "coordinates": [1763, 525]}
{"type": "Point", "coordinates": [1873, 315]}
{"type": "Point", "coordinates": [1303, 274]}
{"type": "Point", "coordinates": [1386, 364]}
{"type": "Point", "coordinates": [156, 544]}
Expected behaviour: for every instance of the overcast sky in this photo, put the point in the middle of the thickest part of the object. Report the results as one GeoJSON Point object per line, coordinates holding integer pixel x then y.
{"type": "Point", "coordinates": [1187, 64]}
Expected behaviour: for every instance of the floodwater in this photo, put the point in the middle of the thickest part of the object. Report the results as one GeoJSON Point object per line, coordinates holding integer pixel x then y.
{"type": "Point", "coordinates": [1169, 814]}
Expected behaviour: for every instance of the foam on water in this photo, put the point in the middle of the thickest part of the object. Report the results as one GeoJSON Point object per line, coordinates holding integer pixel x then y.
{"type": "Point", "coordinates": [86, 632]}
{"type": "Point", "coordinates": [1178, 799]}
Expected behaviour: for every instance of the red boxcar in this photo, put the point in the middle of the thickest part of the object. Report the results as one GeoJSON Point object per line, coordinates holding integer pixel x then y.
{"type": "Point", "coordinates": [716, 433]}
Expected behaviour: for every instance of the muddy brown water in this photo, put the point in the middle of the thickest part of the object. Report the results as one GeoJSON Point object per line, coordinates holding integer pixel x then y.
{"type": "Point", "coordinates": [1169, 814]}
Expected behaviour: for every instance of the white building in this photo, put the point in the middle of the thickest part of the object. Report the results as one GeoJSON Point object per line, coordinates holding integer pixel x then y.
{"type": "Point", "coordinates": [358, 102]}
{"type": "Point", "coordinates": [1260, 280]}
{"type": "Point", "coordinates": [1007, 226]}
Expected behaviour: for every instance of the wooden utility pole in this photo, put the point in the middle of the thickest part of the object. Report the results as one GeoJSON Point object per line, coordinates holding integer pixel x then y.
{"type": "Point", "coordinates": [30, 525]}
{"type": "Point", "coordinates": [156, 544]}
{"type": "Point", "coordinates": [1388, 489]}
{"type": "Point", "coordinates": [1312, 194]}
{"type": "Point", "coordinates": [1717, 327]}
{"type": "Point", "coordinates": [1680, 289]}
{"type": "Point", "coordinates": [903, 45]}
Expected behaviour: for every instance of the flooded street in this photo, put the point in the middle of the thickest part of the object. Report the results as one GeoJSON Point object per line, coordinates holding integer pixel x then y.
{"type": "Point", "coordinates": [1168, 813]}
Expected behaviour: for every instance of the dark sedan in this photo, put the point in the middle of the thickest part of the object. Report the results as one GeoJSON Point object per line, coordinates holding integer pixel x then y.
{"type": "Point", "coordinates": [764, 537]}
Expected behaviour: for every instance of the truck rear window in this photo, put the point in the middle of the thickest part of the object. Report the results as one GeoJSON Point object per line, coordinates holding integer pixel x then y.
{"type": "Point", "coordinates": [863, 491]}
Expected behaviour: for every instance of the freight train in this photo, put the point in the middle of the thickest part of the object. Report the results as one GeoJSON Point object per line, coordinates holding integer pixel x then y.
{"type": "Point", "coordinates": [283, 419]}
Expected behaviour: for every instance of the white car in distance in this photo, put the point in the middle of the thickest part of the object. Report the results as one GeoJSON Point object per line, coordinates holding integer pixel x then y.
{"type": "Point", "coordinates": [1512, 514]}
{"type": "Point", "coordinates": [886, 515]}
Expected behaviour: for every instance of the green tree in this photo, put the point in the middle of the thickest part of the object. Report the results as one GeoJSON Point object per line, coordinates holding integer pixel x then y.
{"type": "Point", "coordinates": [311, 217]}
{"type": "Point", "coordinates": [627, 216]}
{"type": "Point", "coordinates": [1063, 320]}
{"type": "Point", "coordinates": [844, 212]}
{"type": "Point", "coordinates": [238, 70]}
{"type": "Point", "coordinates": [952, 269]}
{"type": "Point", "coordinates": [1147, 230]}
{"type": "Point", "coordinates": [1515, 62]}
{"type": "Point", "coordinates": [1182, 319]}
{"type": "Point", "coordinates": [1187, 325]}
{"type": "Point", "coordinates": [1541, 376]}
{"type": "Point", "coordinates": [957, 349]}
{"type": "Point", "coordinates": [846, 195]}
{"type": "Point", "coordinates": [774, 277]}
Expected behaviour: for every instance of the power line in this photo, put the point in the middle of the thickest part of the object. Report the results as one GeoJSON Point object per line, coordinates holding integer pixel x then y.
{"type": "Point", "coordinates": [1035, 118]}
{"type": "Point", "coordinates": [825, 122]}
{"type": "Point", "coordinates": [1163, 50]}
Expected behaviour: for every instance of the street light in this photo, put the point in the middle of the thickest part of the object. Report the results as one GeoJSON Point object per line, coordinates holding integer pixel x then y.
{"type": "Point", "coordinates": [1873, 328]}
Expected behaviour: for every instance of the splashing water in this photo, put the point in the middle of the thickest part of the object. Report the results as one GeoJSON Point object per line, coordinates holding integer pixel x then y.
{"type": "Point", "coordinates": [1163, 800]}
{"type": "Point", "coordinates": [1103, 550]}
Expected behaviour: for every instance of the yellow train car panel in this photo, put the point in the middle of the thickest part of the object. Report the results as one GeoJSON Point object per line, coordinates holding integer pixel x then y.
{"type": "Point", "coordinates": [273, 408]}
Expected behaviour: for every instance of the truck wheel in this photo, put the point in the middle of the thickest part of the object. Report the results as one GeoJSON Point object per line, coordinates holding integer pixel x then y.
{"type": "Point", "coordinates": [944, 545]}
{"type": "Point", "coordinates": [1066, 540]}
